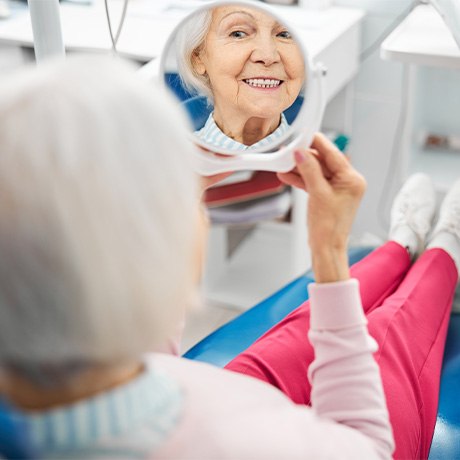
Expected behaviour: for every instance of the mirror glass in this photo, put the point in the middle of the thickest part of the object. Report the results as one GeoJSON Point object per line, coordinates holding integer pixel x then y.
{"type": "Point", "coordinates": [240, 73]}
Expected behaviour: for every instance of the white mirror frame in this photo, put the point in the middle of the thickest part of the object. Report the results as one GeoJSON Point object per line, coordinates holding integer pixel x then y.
{"type": "Point", "coordinates": [301, 132]}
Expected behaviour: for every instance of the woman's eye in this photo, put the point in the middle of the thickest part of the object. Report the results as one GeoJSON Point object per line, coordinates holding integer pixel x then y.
{"type": "Point", "coordinates": [238, 34]}
{"type": "Point", "coordinates": [285, 34]}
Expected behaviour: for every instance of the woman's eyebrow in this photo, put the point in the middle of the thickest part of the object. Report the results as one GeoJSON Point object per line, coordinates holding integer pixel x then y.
{"type": "Point", "coordinates": [237, 12]}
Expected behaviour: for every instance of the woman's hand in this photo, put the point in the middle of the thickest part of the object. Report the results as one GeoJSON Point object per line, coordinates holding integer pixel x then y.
{"type": "Point", "coordinates": [335, 190]}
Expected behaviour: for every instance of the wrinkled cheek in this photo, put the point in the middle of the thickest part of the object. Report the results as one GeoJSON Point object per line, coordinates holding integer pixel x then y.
{"type": "Point", "coordinates": [293, 90]}
{"type": "Point", "coordinates": [237, 95]}
{"type": "Point", "coordinates": [295, 69]}
{"type": "Point", "coordinates": [223, 80]}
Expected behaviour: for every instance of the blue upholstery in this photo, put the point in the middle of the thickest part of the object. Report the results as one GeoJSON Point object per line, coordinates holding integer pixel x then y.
{"type": "Point", "coordinates": [14, 442]}
{"type": "Point", "coordinates": [173, 81]}
{"type": "Point", "coordinates": [225, 343]}
{"type": "Point", "coordinates": [446, 439]}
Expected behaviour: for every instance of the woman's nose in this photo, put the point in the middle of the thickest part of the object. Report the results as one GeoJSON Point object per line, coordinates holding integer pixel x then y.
{"type": "Point", "coordinates": [265, 51]}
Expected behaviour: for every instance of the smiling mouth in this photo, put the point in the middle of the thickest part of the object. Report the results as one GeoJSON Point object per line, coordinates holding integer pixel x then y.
{"type": "Point", "coordinates": [263, 82]}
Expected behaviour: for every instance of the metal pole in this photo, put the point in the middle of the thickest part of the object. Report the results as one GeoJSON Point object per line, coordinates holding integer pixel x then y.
{"type": "Point", "coordinates": [46, 28]}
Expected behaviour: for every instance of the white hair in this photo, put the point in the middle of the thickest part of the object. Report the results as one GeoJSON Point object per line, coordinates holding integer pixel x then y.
{"type": "Point", "coordinates": [98, 215]}
{"type": "Point", "coordinates": [188, 42]}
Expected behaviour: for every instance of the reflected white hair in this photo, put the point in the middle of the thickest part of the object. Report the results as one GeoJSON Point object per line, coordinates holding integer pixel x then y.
{"type": "Point", "coordinates": [188, 42]}
{"type": "Point", "coordinates": [98, 215]}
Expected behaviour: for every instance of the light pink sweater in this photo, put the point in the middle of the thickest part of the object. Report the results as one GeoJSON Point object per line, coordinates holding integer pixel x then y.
{"type": "Point", "coordinates": [231, 416]}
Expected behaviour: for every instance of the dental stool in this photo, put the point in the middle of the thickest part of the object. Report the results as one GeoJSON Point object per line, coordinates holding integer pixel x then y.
{"type": "Point", "coordinates": [222, 345]}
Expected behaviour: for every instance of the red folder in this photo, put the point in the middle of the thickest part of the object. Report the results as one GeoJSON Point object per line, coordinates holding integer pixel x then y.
{"type": "Point", "coordinates": [262, 183]}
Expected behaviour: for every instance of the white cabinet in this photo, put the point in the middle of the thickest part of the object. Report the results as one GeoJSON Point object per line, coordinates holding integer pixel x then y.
{"type": "Point", "coordinates": [424, 43]}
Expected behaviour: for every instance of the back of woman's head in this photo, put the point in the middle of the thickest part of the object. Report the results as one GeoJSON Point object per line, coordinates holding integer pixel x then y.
{"type": "Point", "coordinates": [97, 215]}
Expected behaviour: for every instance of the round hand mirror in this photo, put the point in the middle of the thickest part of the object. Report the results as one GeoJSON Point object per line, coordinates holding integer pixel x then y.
{"type": "Point", "coordinates": [248, 84]}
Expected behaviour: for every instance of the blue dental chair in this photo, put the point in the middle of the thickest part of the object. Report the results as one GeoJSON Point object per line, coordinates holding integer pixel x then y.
{"type": "Point", "coordinates": [225, 343]}
{"type": "Point", "coordinates": [221, 346]}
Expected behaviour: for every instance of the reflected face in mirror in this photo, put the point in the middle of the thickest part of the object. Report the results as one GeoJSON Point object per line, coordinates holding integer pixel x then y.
{"type": "Point", "coordinates": [252, 70]}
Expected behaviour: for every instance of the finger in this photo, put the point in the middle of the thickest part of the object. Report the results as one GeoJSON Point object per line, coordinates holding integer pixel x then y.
{"type": "Point", "coordinates": [309, 169]}
{"type": "Point", "coordinates": [324, 168]}
{"type": "Point", "coordinates": [292, 179]}
{"type": "Point", "coordinates": [332, 157]}
{"type": "Point", "coordinates": [326, 172]}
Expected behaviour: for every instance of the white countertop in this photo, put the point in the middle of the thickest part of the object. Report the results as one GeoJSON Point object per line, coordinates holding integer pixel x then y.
{"type": "Point", "coordinates": [149, 22]}
{"type": "Point", "coordinates": [422, 38]}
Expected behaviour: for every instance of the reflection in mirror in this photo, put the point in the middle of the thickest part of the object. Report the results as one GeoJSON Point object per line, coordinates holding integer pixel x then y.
{"type": "Point", "coordinates": [240, 73]}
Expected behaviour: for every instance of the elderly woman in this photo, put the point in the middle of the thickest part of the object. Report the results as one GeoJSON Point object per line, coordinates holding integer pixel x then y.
{"type": "Point", "coordinates": [101, 244]}
{"type": "Point", "coordinates": [248, 66]}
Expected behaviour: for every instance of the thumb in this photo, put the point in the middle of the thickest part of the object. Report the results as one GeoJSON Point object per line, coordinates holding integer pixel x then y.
{"type": "Point", "coordinates": [309, 169]}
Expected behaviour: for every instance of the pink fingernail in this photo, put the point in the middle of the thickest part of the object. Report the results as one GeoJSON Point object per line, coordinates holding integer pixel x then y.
{"type": "Point", "coordinates": [299, 156]}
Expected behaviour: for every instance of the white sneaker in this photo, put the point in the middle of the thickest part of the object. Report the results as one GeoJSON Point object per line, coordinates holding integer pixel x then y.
{"type": "Point", "coordinates": [449, 215]}
{"type": "Point", "coordinates": [446, 233]}
{"type": "Point", "coordinates": [412, 213]}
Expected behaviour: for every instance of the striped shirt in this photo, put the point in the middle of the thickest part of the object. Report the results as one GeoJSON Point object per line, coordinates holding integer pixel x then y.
{"type": "Point", "coordinates": [213, 135]}
{"type": "Point", "coordinates": [125, 422]}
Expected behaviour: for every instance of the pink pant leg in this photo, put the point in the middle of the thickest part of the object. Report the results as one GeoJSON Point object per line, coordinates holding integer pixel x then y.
{"type": "Point", "coordinates": [282, 355]}
{"type": "Point", "coordinates": [411, 327]}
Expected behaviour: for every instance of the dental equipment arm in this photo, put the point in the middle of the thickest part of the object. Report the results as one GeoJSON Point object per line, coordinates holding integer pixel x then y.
{"type": "Point", "coordinates": [46, 28]}
{"type": "Point", "coordinates": [450, 13]}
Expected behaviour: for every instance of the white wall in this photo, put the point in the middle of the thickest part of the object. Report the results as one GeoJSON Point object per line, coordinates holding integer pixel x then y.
{"type": "Point", "coordinates": [376, 110]}
{"type": "Point", "coordinates": [376, 105]}
{"type": "Point", "coordinates": [12, 57]}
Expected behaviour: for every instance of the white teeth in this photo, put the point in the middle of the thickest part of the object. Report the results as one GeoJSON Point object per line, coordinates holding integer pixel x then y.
{"type": "Point", "coordinates": [263, 82]}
